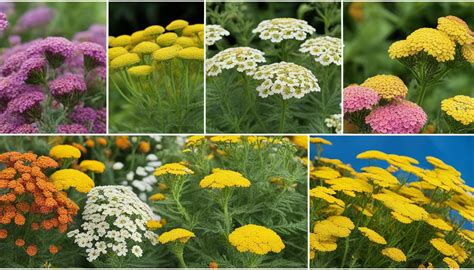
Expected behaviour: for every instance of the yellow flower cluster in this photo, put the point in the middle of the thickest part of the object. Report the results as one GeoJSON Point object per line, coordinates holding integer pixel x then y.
{"type": "Point", "coordinates": [176, 235]}
{"type": "Point", "coordinates": [460, 107]}
{"type": "Point", "coordinates": [468, 52]}
{"type": "Point", "coordinates": [157, 197]}
{"type": "Point", "coordinates": [64, 151]}
{"type": "Point", "coordinates": [94, 166]}
{"type": "Point", "coordinates": [394, 254]}
{"type": "Point", "coordinates": [220, 179]}
{"type": "Point", "coordinates": [67, 178]}
{"type": "Point", "coordinates": [174, 169]}
{"type": "Point", "coordinates": [457, 29]}
{"type": "Point", "coordinates": [431, 41]}
{"type": "Point", "coordinates": [183, 41]}
{"type": "Point", "coordinates": [372, 235]}
{"type": "Point", "coordinates": [256, 239]}
{"type": "Point", "coordinates": [326, 232]}
{"type": "Point", "coordinates": [387, 86]}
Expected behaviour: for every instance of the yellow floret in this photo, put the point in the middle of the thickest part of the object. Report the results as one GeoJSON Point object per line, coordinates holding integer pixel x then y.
{"type": "Point", "coordinates": [92, 165]}
{"type": "Point", "coordinates": [125, 60]}
{"type": "Point", "coordinates": [142, 70]}
{"type": "Point", "coordinates": [176, 25]}
{"type": "Point", "coordinates": [166, 39]}
{"type": "Point", "coordinates": [468, 52]}
{"type": "Point", "coordinates": [145, 47]}
{"type": "Point", "coordinates": [256, 239]}
{"type": "Point", "coordinates": [433, 42]}
{"type": "Point", "coordinates": [121, 41]}
{"type": "Point", "coordinates": [387, 86]}
{"type": "Point", "coordinates": [192, 29]}
{"type": "Point", "coordinates": [174, 169]}
{"type": "Point", "coordinates": [460, 107]}
{"type": "Point", "coordinates": [394, 254]}
{"type": "Point", "coordinates": [110, 39]}
{"type": "Point", "coordinates": [176, 235]}
{"type": "Point", "coordinates": [220, 179]}
{"type": "Point", "coordinates": [185, 42]}
{"type": "Point", "coordinates": [64, 151]}
{"type": "Point", "coordinates": [400, 49]}
{"type": "Point", "coordinates": [154, 30]}
{"type": "Point", "coordinates": [67, 178]}
{"type": "Point", "coordinates": [137, 37]}
{"type": "Point", "coordinates": [457, 30]}
{"type": "Point", "coordinates": [116, 52]}
{"type": "Point", "coordinates": [166, 53]}
{"type": "Point", "coordinates": [191, 53]}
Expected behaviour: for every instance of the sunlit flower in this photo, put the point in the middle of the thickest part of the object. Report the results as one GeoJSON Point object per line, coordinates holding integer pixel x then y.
{"type": "Point", "coordinates": [220, 179]}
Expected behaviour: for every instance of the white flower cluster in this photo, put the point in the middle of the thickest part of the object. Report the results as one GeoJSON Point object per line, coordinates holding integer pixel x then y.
{"type": "Point", "coordinates": [326, 50]}
{"type": "Point", "coordinates": [244, 58]}
{"type": "Point", "coordinates": [114, 221]}
{"type": "Point", "coordinates": [334, 121]}
{"type": "Point", "coordinates": [279, 29]}
{"type": "Point", "coordinates": [214, 33]}
{"type": "Point", "coordinates": [142, 179]}
{"type": "Point", "coordinates": [287, 79]}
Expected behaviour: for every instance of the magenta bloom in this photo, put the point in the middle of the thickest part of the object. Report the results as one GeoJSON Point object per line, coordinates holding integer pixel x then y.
{"type": "Point", "coordinates": [83, 116]}
{"type": "Point", "coordinates": [71, 129]}
{"type": "Point", "coordinates": [100, 125]}
{"type": "Point", "coordinates": [94, 54]}
{"type": "Point", "coordinates": [25, 102]}
{"type": "Point", "coordinates": [26, 129]}
{"type": "Point", "coordinates": [9, 86]}
{"type": "Point", "coordinates": [358, 98]}
{"type": "Point", "coordinates": [96, 33]}
{"type": "Point", "coordinates": [14, 40]}
{"type": "Point", "coordinates": [398, 117]}
{"type": "Point", "coordinates": [57, 47]}
{"type": "Point", "coordinates": [32, 70]}
{"type": "Point", "coordinates": [67, 84]}
{"type": "Point", "coordinates": [34, 18]}
{"type": "Point", "coordinates": [3, 21]}
{"type": "Point", "coordinates": [13, 63]}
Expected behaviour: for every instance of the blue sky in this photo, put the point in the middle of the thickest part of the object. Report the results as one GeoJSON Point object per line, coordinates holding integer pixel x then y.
{"type": "Point", "coordinates": [457, 151]}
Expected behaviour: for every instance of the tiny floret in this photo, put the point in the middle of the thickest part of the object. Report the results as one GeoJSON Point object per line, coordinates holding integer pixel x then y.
{"type": "Point", "coordinates": [326, 50]}
{"type": "Point", "coordinates": [214, 33]}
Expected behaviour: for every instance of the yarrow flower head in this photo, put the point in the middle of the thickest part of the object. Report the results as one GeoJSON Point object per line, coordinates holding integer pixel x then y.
{"type": "Point", "coordinates": [26, 102]}
{"type": "Point", "coordinates": [467, 51]}
{"type": "Point", "coordinates": [67, 178]}
{"type": "Point", "coordinates": [387, 86]}
{"type": "Point", "coordinates": [214, 33]}
{"type": "Point", "coordinates": [32, 70]}
{"type": "Point", "coordinates": [394, 254]}
{"type": "Point", "coordinates": [84, 116]}
{"type": "Point", "coordinates": [72, 129]}
{"type": "Point", "coordinates": [287, 79]}
{"type": "Point", "coordinates": [176, 235]}
{"type": "Point", "coordinates": [114, 222]}
{"type": "Point", "coordinates": [399, 117]}
{"type": "Point", "coordinates": [3, 21]}
{"type": "Point", "coordinates": [55, 49]}
{"type": "Point", "coordinates": [94, 166]}
{"type": "Point", "coordinates": [326, 50]}
{"type": "Point", "coordinates": [279, 29]}
{"type": "Point", "coordinates": [431, 41]}
{"type": "Point", "coordinates": [67, 84]}
{"type": "Point", "coordinates": [334, 121]}
{"type": "Point", "coordinates": [256, 239]}
{"type": "Point", "coordinates": [244, 59]}
{"type": "Point", "coordinates": [460, 107]}
{"type": "Point", "coordinates": [64, 151]}
{"type": "Point", "coordinates": [220, 179]}
{"type": "Point", "coordinates": [94, 54]}
{"type": "Point", "coordinates": [457, 29]}
{"type": "Point", "coordinates": [174, 169]}
{"type": "Point", "coordinates": [357, 98]}
{"type": "Point", "coordinates": [34, 18]}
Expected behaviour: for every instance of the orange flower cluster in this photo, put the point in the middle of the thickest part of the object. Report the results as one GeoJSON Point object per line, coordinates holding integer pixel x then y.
{"type": "Point", "coordinates": [26, 190]}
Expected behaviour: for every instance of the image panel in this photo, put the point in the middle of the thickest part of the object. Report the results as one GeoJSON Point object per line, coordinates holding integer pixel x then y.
{"type": "Point", "coordinates": [408, 67]}
{"type": "Point", "coordinates": [273, 67]}
{"type": "Point", "coordinates": [391, 202]}
{"type": "Point", "coordinates": [156, 74]}
{"type": "Point", "coordinates": [52, 67]}
{"type": "Point", "coordinates": [153, 202]}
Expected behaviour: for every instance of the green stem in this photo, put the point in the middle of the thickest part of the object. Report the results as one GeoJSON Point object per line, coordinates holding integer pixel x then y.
{"type": "Point", "coordinates": [346, 250]}
{"type": "Point", "coordinates": [284, 107]}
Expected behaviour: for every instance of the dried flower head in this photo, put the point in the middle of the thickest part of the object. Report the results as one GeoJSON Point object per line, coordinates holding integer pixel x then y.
{"type": "Point", "coordinates": [459, 107]}
{"type": "Point", "coordinates": [244, 59]}
{"type": "Point", "coordinates": [399, 117]}
{"type": "Point", "coordinates": [358, 98]}
{"type": "Point", "coordinates": [287, 79]}
{"type": "Point", "coordinates": [279, 29]}
{"type": "Point", "coordinates": [387, 86]}
{"type": "Point", "coordinates": [214, 33]}
{"type": "Point", "coordinates": [326, 50]}
{"type": "Point", "coordinates": [256, 239]}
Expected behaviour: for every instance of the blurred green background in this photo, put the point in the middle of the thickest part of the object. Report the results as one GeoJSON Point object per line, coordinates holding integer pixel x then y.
{"type": "Point", "coordinates": [369, 30]}
{"type": "Point", "coordinates": [70, 17]}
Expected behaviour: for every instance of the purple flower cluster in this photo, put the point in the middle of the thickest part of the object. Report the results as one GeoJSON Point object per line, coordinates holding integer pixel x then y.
{"type": "Point", "coordinates": [51, 76]}
{"type": "Point", "coordinates": [398, 117]}
{"type": "Point", "coordinates": [3, 21]}
{"type": "Point", "coordinates": [34, 18]}
{"type": "Point", "coordinates": [67, 84]}
{"type": "Point", "coordinates": [357, 98]}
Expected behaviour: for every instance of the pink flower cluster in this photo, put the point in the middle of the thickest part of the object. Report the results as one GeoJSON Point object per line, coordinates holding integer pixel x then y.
{"type": "Point", "coordinates": [51, 76]}
{"type": "Point", "coordinates": [398, 117]}
{"type": "Point", "coordinates": [357, 98]}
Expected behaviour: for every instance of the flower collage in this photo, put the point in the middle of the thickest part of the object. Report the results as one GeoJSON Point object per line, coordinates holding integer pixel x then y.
{"type": "Point", "coordinates": [226, 134]}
